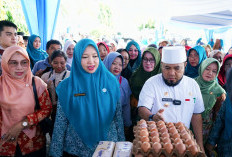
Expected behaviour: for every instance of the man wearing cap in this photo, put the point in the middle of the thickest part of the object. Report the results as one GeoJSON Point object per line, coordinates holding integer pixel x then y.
{"type": "Point", "coordinates": [171, 96]}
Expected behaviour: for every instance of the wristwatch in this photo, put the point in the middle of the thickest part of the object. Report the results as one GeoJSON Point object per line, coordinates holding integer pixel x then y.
{"type": "Point", "coordinates": [24, 124]}
{"type": "Point", "coordinates": [151, 117]}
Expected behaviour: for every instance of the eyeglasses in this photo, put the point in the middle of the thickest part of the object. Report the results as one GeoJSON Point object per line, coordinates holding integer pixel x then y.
{"type": "Point", "coordinates": [146, 60]}
{"type": "Point", "coordinates": [124, 58]}
{"type": "Point", "coordinates": [23, 63]}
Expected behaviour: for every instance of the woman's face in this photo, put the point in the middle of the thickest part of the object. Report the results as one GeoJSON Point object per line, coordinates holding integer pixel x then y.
{"type": "Point", "coordinates": [70, 50]}
{"type": "Point", "coordinates": [103, 51]}
{"type": "Point", "coordinates": [148, 62]}
{"type": "Point", "coordinates": [193, 58]}
{"type": "Point", "coordinates": [116, 67]}
{"type": "Point", "coordinates": [218, 56]}
{"type": "Point", "coordinates": [133, 51]}
{"type": "Point", "coordinates": [230, 51]}
{"type": "Point", "coordinates": [59, 64]}
{"type": "Point", "coordinates": [18, 66]}
{"type": "Point", "coordinates": [228, 64]}
{"type": "Point", "coordinates": [207, 50]}
{"type": "Point", "coordinates": [37, 43]}
{"type": "Point", "coordinates": [125, 58]}
{"type": "Point", "coordinates": [90, 60]}
{"type": "Point", "coordinates": [210, 72]}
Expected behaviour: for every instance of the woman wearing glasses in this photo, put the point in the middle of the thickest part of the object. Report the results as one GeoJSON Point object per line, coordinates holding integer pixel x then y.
{"type": "Point", "coordinates": [126, 57]}
{"type": "Point", "coordinates": [195, 56]}
{"type": "Point", "coordinates": [20, 132]}
{"type": "Point", "coordinates": [149, 67]}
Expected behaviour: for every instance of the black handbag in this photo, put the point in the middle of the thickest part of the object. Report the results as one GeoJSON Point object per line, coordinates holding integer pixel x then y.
{"type": "Point", "coordinates": [46, 124]}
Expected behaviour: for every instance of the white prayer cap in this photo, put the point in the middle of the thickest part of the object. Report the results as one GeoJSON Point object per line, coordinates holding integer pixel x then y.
{"type": "Point", "coordinates": [173, 55]}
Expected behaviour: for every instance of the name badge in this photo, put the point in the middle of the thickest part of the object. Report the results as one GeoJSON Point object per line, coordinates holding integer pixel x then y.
{"type": "Point", "coordinates": [79, 94]}
{"type": "Point", "coordinates": [167, 99]}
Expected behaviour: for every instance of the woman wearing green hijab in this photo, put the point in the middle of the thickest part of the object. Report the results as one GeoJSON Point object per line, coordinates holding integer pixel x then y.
{"type": "Point", "coordinates": [213, 94]}
{"type": "Point", "coordinates": [149, 67]}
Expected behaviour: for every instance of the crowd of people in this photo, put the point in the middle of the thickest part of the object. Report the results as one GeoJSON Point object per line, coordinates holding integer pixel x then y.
{"type": "Point", "coordinates": [91, 92]}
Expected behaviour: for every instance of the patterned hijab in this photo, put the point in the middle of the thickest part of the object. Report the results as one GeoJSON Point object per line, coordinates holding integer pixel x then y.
{"type": "Point", "coordinates": [210, 90]}
{"type": "Point", "coordinates": [137, 61]}
{"type": "Point", "coordinates": [193, 71]}
{"type": "Point", "coordinates": [140, 76]}
{"type": "Point", "coordinates": [35, 54]}
{"type": "Point", "coordinates": [16, 95]}
{"type": "Point", "coordinates": [89, 100]}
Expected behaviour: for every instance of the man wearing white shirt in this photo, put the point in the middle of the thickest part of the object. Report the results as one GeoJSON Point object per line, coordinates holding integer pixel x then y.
{"type": "Point", "coordinates": [171, 96]}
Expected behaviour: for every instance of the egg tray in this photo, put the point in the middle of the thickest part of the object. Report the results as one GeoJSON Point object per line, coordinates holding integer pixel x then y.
{"type": "Point", "coordinates": [138, 151]}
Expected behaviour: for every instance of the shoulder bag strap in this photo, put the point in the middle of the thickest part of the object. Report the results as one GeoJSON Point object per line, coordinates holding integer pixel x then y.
{"type": "Point", "coordinates": [37, 106]}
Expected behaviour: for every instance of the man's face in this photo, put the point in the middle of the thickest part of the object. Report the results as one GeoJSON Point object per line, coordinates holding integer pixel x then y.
{"type": "Point", "coordinates": [52, 48]}
{"type": "Point", "coordinates": [172, 73]}
{"type": "Point", "coordinates": [8, 37]}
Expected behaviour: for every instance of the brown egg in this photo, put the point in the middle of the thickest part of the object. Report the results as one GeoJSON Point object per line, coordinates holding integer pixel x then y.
{"type": "Point", "coordinates": [168, 147]}
{"type": "Point", "coordinates": [163, 130]}
{"type": "Point", "coordinates": [179, 124]}
{"type": "Point", "coordinates": [162, 155]}
{"type": "Point", "coordinates": [165, 134]}
{"type": "Point", "coordinates": [185, 136]}
{"type": "Point", "coordinates": [143, 133]}
{"type": "Point", "coordinates": [180, 147]}
{"type": "Point", "coordinates": [156, 146]}
{"type": "Point", "coordinates": [145, 146]}
{"type": "Point", "coordinates": [139, 155]}
{"type": "Point", "coordinates": [152, 126]}
{"type": "Point", "coordinates": [189, 142]}
{"type": "Point", "coordinates": [153, 129]}
{"type": "Point", "coordinates": [172, 130]}
{"type": "Point", "coordinates": [183, 132]}
{"type": "Point", "coordinates": [160, 123]}
{"type": "Point", "coordinates": [141, 121]}
{"type": "Point", "coordinates": [154, 134]}
{"type": "Point", "coordinates": [181, 128]}
{"type": "Point", "coordinates": [170, 124]}
{"type": "Point", "coordinates": [193, 149]}
{"type": "Point", "coordinates": [144, 139]}
{"type": "Point", "coordinates": [155, 139]}
{"type": "Point", "coordinates": [166, 140]}
{"type": "Point", "coordinates": [151, 123]}
{"type": "Point", "coordinates": [176, 135]}
{"type": "Point", "coordinates": [178, 140]}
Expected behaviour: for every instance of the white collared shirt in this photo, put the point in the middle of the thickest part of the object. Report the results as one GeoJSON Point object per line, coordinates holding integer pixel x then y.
{"type": "Point", "coordinates": [156, 95]}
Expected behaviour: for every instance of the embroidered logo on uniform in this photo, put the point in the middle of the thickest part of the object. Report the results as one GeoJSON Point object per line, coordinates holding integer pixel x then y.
{"type": "Point", "coordinates": [166, 105]}
{"type": "Point", "coordinates": [187, 99]}
{"type": "Point", "coordinates": [165, 93]}
{"type": "Point", "coordinates": [104, 90]}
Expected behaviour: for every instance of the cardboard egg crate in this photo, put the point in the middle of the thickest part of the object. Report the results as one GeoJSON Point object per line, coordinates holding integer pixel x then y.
{"type": "Point", "coordinates": [138, 151]}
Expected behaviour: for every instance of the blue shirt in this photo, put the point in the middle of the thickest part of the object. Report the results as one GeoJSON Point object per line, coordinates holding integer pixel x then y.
{"type": "Point", "coordinates": [65, 138]}
{"type": "Point", "coordinates": [43, 64]}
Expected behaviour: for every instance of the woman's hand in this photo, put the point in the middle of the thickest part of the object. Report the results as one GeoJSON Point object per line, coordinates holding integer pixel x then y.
{"type": "Point", "coordinates": [13, 133]}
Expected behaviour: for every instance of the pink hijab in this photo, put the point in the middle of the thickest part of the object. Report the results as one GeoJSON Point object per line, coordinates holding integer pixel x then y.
{"type": "Point", "coordinates": [16, 95]}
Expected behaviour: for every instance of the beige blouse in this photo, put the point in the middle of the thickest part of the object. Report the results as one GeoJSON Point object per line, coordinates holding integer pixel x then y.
{"type": "Point", "coordinates": [51, 86]}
